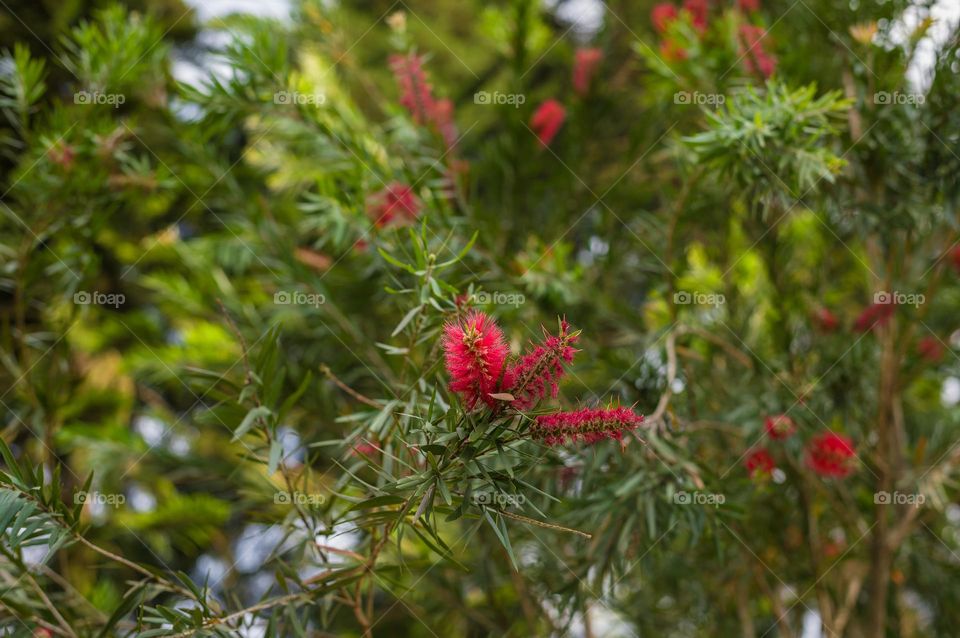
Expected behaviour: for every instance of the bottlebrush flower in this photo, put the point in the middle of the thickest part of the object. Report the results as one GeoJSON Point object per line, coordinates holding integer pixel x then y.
{"type": "Point", "coordinates": [698, 10]}
{"type": "Point", "coordinates": [662, 16]}
{"type": "Point", "coordinates": [441, 117]}
{"type": "Point", "coordinates": [588, 424]}
{"type": "Point", "coordinates": [748, 6]}
{"type": "Point", "coordinates": [831, 454]}
{"type": "Point", "coordinates": [547, 120]}
{"type": "Point", "coordinates": [955, 257]}
{"type": "Point", "coordinates": [779, 426]}
{"type": "Point", "coordinates": [874, 315]}
{"type": "Point", "coordinates": [931, 349]}
{"type": "Point", "coordinates": [584, 65]}
{"type": "Point", "coordinates": [395, 203]}
{"type": "Point", "coordinates": [475, 353]}
{"type": "Point", "coordinates": [540, 370]}
{"type": "Point", "coordinates": [416, 94]}
{"type": "Point", "coordinates": [825, 320]}
{"type": "Point", "coordinates": [759, 463]}
{"type": "Point", "coordinates": [755, 58]}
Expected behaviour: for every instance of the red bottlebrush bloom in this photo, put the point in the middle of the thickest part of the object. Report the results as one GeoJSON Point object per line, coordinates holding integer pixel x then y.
{"type": "Point", "coordinates": [874, 315]}
{"type": "Point", "coordinates": [671, 51]}
{"type": "Point", "coordinates": [825, 320]}
{"type": "Point", "coordinates": [475, 353]}
{"type": "Point", "coordinates": [931, 349]}
{"type": "Point", "coordinates": [538, 372]}
{"type": "Point", "coordinates": [396, 203]}
{"type": "Point", "coordinates": [588, 424]}
{"type": "Point", "coordinates": [584, 65]}
{"type": "Point", "coordinates": [662, 15]}
{"type": "Point", "coordinates": [831, 454]}
{"type": "Point", "coordinates": [755, 58]}
{"type": "Point", "coordinates": [955, 257]}
{"type": "Point", "coordinates": [779, 426]}
{"type": "Point", "coordinates": [416, 94]}
{"type": "Point", "coordinates": [749, 6]}
{"type": "Point", "coordinates": [441, 117]}
{"type": "Point", "coordinates": [698, 10]}
{"type": "Point", "coordinates": [547, 120]}
{"type": "Point", "coordinates": [759, 463]}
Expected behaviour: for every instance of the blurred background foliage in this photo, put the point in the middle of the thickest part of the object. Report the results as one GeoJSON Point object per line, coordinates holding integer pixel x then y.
{"type": "Point", "coordinates": [200, 321]}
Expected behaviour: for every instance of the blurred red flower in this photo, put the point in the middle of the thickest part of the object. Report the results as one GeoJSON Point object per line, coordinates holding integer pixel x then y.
{"type": "Point", "coordinates": [779, 426]}
{"type": "Point", "coordinates": [759, 463]}
{"type": "Point", "coordinates": [662, 15]}
{"type": "Point", "coordinates": [698, 10]}
{"type": "Point", "coordinates": [931, 348]}
{"type": "Point", "coordinates": [830, 454]}
{"type": "Point", "coordinates": [825, 320]}
{"type": "Point", "coordinates": [584, 65]}
{"type": "Point", "coordinates": [394, 204]}
{"type": "Point", "coordinates": [876, 314]}
{"type": "Point", "coordinates": [755, 58]}
{"type": "Point", "coordinates": [547, 120]}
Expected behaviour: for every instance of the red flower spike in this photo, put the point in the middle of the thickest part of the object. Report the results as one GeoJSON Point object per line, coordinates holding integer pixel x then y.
{"type": "Point", "coordinates": [831, 455]}
{"type": "Point", "coordinates": [955, 257]}
{"type": "Point", "coordinates": [671, 51]}
{"type": "Point", "coordinates": [931, 349]}
{"type": "Point", "coordinates": [475, 353]}
{"type": "Point", "coordinates": [874, 316]}
{"type": "Point", "coordinates": [779, 426]}
{"type": "Point", "coordinates": [547, 120]}
{"type": "Point", "coordinates": [755, 58]}
{"type": "Point", "coordinates": [662, 16]}
{"type": "Point", "coordinates": [539, 371]}
{"type": "Point", "coordinates": [698, 10]}
{"type": "Point", "coordinates": [759, 463]}
{"type": "Point", "coordinates": [394, 204]}
{"type": "Point", "coordinates": [748, 6]}
{"type": "Point", "coordinates": [416, 94]}
{"type": "Point", "coordinates": [587, 424]}
{"type": "Point", "coordinates": [584, 66]}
